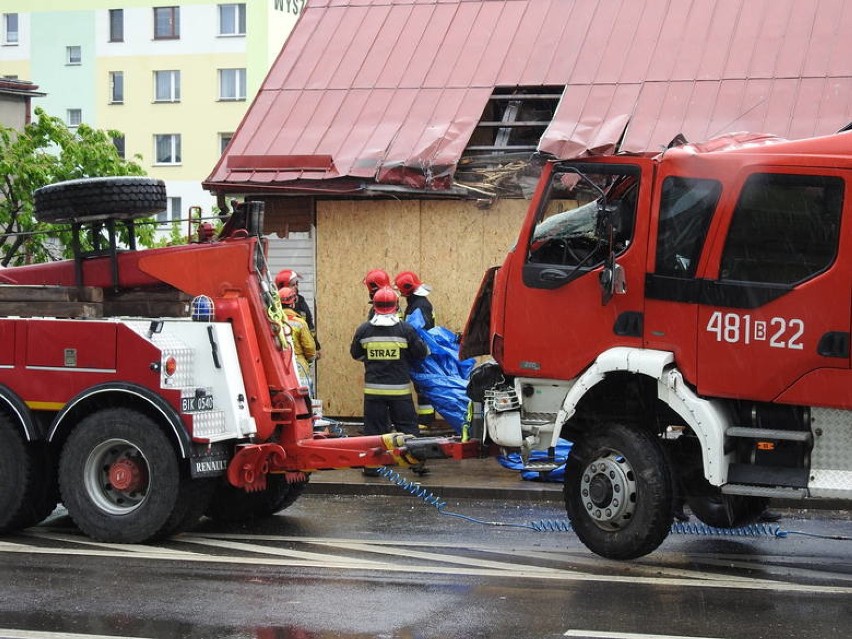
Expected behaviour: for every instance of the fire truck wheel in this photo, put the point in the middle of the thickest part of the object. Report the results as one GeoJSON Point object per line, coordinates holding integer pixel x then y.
{"type": "Point", "coordinates": [619, 492]}
{"type": "Point", "coordinates": [726, 511]}
{"type": "Point", "coordinates": [119, 476]}
{"type": "Point", "coordinates": [92, 199]}
{"type": "Point", "coordinates": [232, 504]}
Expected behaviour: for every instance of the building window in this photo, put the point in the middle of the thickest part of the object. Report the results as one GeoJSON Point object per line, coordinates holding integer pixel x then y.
{"type": "Point", "coordinates": [116, 25]}
{"type": "Point", "coordinates": [785, 229]}
{"type": "Point", "coordinates": [232, 19]}
{"type": "Point", "coordinates": [166, 23]}
{"type": "Point", "coordinates": [74, 117]}
{"type": "Point", "coordinates": [167, 149]}
{"type": "Point", "coordinates": [116, 87]}
{"type": "Point", "coordinates": [74, 55]}
{"type": "Point", "coordinates": [167, 86]}
{"type": "Point", "coordinates": [172, 212]}
{"type": "Point", "coordinates": [224, 141]}
{"type": "Point", "coordinates": [232, 84]}
{"type": "Point", "coordinates": [10, 28]}
{"type": "Point", "coordinates": [118, 143]}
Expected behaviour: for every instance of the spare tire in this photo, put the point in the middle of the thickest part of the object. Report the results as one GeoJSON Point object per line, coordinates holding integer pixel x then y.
{"type": "Point", "coordinates": [93, 199]}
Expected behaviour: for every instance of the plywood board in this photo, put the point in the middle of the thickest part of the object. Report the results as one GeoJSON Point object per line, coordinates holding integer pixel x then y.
{"type": "Point", "coordinates": [449, 243]}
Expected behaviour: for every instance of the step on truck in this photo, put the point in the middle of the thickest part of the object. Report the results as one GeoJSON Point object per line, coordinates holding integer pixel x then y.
{"type": "Point", "coordinates": [683, 319]}
{"type": "Point", "coordinates": [146, 388]}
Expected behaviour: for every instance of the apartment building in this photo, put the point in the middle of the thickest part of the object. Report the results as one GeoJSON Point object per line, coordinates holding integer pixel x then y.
{"type": "Point", "coordinates": [174, 76]}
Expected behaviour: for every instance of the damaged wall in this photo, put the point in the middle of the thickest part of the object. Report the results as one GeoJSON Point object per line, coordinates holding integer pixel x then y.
{"type": "Point", "coordinates": [448, 243]}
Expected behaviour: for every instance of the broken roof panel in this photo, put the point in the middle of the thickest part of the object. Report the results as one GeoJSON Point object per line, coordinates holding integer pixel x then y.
{"type": "Point", "coordinates": [392, 90]}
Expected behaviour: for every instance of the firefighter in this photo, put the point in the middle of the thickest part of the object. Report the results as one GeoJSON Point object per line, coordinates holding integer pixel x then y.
{"type": "Point", "coordinates": [374, 280]}
{"type": "Point", "coordinates": [291, 279]}
{"type": "Point", "coordinates": [303, 342]}
{"type": "Point", "coordinates": [415, 293]}
{"type": "Point", "coordinates": [387, 346]}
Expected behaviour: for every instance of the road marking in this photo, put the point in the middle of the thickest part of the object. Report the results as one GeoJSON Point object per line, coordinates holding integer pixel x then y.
{"type": "Point", "coordinates": [85, 541]}
{"type": "Point", "coordinates": [13, 633]}
{"type": "Point", "coordinates": [270, 550]}
{"type": "Point", "coordinates": [436, 564]}
{"type": "Point", "coordinates": [596, 634]}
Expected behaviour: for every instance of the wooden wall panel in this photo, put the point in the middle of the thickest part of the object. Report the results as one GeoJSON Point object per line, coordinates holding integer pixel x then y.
{"type": "Point", "coordinates": [449, 243]}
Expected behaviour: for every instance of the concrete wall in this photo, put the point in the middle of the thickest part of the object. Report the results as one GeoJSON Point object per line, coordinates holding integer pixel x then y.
{"type": "Point", "coordinates": [449, 244]}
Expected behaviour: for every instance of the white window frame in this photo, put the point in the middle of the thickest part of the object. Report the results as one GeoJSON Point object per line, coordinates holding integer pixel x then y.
{"type": "Point", "coordinates": [73, 117]}
{"type": "Point", "coordinates": [70, 58]}
{"type": "Point", "coordinates": [232, 81]}
{"type": "Point", "coordinates": [237, 18]}
{"type": "Point", "coordinates": [113, 98]}
{"type": "Point", "coordinates": [11, 37]}
{"type": "Point", "coordinates": [174, 154]}
{"type": "Point", "coordinates": [173, 89]}
{"type": "Point", "coordinates": [174, 206]}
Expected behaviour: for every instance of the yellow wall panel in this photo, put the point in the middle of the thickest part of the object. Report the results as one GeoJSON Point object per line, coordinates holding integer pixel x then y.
{"type": "Point", "coordinates": [448, 243]}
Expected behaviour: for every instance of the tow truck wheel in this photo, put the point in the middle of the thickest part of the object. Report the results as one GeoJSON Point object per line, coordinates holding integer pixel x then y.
{"type": "Point", "coordinates": [119, 476]}
{"type": "Point", "coordinates": [232, 504]}
{"type": "Point", "coordinates": [15, 473]}
{"type": "Point", "coordinates": [28, 491]}
{"type": "Point", "coordinates": [617, 511]}
{"type": "Point", "coordinates": [92, 199]}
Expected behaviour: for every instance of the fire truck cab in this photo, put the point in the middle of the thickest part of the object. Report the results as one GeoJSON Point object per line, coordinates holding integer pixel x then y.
{"type": "Point", "coordinates": [684, 320]}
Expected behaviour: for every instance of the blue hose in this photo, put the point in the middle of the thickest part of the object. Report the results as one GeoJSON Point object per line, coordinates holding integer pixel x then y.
{"type": "Point", "coordinates": [557, 525]}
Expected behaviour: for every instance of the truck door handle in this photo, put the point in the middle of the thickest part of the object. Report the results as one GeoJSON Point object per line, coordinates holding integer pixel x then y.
{"type": "Point", "coordinates": [552, 275]}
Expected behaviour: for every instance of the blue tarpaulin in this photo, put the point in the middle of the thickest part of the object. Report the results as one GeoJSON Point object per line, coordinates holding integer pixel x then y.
{"type": "Point", "coordinates": [513, 461]}
{"type": "Point", "coordinates": [441, 378]}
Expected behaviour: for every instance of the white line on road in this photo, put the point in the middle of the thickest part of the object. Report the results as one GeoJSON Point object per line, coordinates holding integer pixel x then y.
{"type": "Point", "coordinates": [596, 634]}
{"type": "Point", "coordinates": [470, 568]}
{"type": "Point", "coordinates": [12, 633]}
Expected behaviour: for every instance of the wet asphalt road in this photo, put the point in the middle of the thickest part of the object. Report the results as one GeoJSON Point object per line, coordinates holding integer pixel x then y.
{"type": "Point", "coordinates": [396, 567]}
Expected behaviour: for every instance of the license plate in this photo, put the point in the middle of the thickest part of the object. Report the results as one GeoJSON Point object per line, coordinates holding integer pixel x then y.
{"type": "Point", "coordinates": [196, 403]}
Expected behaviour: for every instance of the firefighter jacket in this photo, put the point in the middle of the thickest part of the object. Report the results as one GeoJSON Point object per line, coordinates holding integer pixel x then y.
{"type": "Point", "coordinates": [387, 346]}
{"type": "Point", "coordinates": [304, 309]}
{"type": "Point", "coordinates": [419, 302]}
{"type": "Point", "coordinates": [303, 341]}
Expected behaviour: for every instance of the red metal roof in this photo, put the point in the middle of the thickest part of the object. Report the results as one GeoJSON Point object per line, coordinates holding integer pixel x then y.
{"type": "Point", "coordinates": [390, 91]}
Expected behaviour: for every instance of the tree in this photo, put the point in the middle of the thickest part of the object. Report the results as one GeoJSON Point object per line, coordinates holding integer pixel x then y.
{"type": "Point", "coordinates": [45, 152]}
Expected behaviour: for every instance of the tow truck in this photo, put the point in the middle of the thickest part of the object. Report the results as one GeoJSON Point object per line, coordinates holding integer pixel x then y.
{"type": "Point", "coordinates": [162, 386]}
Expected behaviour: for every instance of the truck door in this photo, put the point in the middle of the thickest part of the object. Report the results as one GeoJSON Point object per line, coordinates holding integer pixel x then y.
{"type": "Point", "coordinates": [682, 218]}
{"type": "Point", "coordinates": [775, 306]}
{"type": "Point", "coordinates": [554, 320]}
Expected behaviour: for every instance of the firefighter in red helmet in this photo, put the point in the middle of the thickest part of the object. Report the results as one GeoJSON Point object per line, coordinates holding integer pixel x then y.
{"type": "Point", "coordinates": [304, 346]}
{"type": "Point", "coordinates": [415, 293]}
{"type": "Point", "coordinates": [291, 279]}
{"type": "Point", "coordinates": [374, 280]}
{"type": "Point", "coordinates": [387, 346]}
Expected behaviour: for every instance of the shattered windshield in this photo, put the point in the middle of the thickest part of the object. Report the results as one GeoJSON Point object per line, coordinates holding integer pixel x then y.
{"type": "Point", "coordinates": [574, 222]}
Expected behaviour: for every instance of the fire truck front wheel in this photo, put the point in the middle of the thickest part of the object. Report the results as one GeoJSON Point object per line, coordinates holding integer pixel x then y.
{"type": "Point", "coordinates": [119, 476]}
{"type": "Point", "coordinates": [619, 492]}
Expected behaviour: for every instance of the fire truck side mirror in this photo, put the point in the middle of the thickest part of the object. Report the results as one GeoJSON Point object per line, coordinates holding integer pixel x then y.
{"type": "Point", "coordinates": [612, 280]}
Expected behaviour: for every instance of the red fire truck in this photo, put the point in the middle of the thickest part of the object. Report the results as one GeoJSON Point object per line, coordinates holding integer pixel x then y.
{"type": "Point", "coordinates": [139, 425]}
{"type": "Point", "coordinates": [684, 320]}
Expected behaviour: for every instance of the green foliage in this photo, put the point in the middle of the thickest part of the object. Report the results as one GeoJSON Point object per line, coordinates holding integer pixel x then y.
{"type": "Point", "coordinates": [45, 152]}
